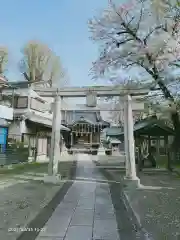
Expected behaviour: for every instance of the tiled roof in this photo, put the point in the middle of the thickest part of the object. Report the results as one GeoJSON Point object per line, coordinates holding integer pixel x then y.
{"type": "Point", "coordinates": [88, 116]}
{"type": "Point", "coordinates": [148, 124]}
{"type": "Point", "coordinates": [91, 116]}
{"type": "Point", "coordinates": [113, 131]}
{"type": "Point", "coordinates": [19, 84]}
{"type": "Point", "coordinates": [43, 120]}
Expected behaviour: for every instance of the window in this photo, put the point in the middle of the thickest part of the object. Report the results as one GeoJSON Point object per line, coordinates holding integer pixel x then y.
{"type": "Point", "coordinates": [1, 96]}
{"type": "Point", "coordinates": [20, 102]}
{"type": "Point", "coordinates": [153, 142]}
{"type": "Point", "coordinates": [63, 115]}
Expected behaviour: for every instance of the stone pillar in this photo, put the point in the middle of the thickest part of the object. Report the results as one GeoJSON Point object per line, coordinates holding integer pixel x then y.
{"type": "Point", "coordinates": [101, 150]}
{"type": "Point", "coordinates": [129, 142]}
{"type": "Point", "coordinates": [22, 124]}
{"type": "Point", "coordinates": [91, 139]}
{"type": "Point", "coordinates": [71, 139]}
{"type": "Point", "coordinates": [55, 140]}
{"type": "Point", "coordinates": [64, 152]}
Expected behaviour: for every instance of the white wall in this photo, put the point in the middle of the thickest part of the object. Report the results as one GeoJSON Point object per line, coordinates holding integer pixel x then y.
{"type": "Point", "coordinates": [14, 130]}
{"type": "Point", "coordinates": [18, 127]}
{"type": "Point", "coordinates": [6, 112]}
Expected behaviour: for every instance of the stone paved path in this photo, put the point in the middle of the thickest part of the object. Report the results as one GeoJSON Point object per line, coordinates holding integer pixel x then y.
{"type": "Point", "coordinates": [86, 211]}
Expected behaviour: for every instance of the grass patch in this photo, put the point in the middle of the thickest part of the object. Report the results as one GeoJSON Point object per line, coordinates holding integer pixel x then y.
{"type": "Point", "coordinates": [162, 162]}
{"type": "Point", "coordinates": [25, 167]}
{"type": "Point", "coordinates": [63, 169]}
{"type": "Point", "coordinates": [176, 165]}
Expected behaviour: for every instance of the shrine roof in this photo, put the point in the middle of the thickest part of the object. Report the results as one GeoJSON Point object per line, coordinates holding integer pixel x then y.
{"type": "Point", "coordinates": [92, 117]}
{"type": "Point", "coordinates": [149, 126]}
{"type": "Point", "coordinates": [153, 127]}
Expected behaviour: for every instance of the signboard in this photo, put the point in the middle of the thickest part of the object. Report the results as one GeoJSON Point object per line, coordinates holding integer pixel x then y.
{"type": "Point", "coordinates": [3, 135]}
{"type": "Point", "coordinates": [6, 112]}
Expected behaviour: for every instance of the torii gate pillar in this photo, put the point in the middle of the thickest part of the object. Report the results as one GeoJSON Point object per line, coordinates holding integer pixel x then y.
{"type": "Point", "coordinates": [131, 179]}
{"type": "Point", "coordinates": [53, 176]}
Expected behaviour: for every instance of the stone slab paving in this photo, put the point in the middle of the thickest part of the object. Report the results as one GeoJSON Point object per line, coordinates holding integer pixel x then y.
{"type": "Point", "coordinates": [86, 212]}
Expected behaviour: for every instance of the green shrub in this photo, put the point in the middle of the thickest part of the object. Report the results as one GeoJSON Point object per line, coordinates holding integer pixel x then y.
{"type": "Point", "coordinates": [17, 151]}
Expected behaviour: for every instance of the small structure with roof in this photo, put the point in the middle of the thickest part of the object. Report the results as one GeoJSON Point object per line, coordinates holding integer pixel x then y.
{"type": "Point", "coordinates": [147, 132]}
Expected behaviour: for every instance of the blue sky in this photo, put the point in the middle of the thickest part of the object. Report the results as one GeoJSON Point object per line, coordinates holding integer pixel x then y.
{"type": "Point", "coordinates": [62, 24]}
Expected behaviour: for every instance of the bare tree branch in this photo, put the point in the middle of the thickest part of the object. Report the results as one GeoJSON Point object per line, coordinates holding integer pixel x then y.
{"type": "Point", "coordinates": [123, 42]}
{"type": "Point", "coordinates": [140, 18]}
{"type": "Point", "coordinates": [40, 64]}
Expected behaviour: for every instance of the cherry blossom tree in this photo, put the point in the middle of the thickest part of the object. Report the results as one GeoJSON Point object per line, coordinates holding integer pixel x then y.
{"type": "Point", "coordinates": [40, 64]}
{"type": "Point", "coordinates": [140, 38]}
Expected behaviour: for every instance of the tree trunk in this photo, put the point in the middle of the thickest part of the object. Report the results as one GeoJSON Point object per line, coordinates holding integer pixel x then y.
{"type": "Point", "coordinates": [176, 124]}
{"type": "Point", "coordinates": [174, 117]}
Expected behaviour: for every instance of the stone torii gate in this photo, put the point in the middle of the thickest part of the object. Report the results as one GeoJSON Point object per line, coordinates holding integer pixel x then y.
{"type": "Point", "coordinates": [99, 91]}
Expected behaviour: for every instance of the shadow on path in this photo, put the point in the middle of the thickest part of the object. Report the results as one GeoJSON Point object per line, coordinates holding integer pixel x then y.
{"type": "Point", "coordinates": [126, 226]}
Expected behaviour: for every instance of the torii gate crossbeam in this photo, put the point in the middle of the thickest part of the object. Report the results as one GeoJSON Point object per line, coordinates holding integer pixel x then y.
{"type": "Point", "coordinates": [101, 91]}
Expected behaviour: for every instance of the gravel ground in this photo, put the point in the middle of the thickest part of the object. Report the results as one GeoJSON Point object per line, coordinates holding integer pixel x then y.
{"type": "Point", "coordinates": [20, 203]}
{"type": "Point", "coordinates": [22, 199]}
{"type": "Point", "coordinates": [158, 209]}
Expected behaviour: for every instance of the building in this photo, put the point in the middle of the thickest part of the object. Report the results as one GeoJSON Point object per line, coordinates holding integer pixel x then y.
{"type": "Point", "coordinates": [85, 124]}
{"type": "Point", "coordinates": [85, 129]}
{"type": "Point", "coordinates": [32, 120]}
